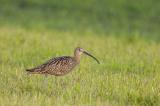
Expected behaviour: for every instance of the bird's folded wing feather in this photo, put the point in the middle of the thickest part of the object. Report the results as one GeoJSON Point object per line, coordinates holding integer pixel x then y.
{"type": "Point", "coordinates": [52, 63]}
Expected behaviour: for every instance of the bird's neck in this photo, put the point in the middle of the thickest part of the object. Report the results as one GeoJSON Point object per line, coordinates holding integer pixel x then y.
{"type": "Point", "coordinates": [77, 58]}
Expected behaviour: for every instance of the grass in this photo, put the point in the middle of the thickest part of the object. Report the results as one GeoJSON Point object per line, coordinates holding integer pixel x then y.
{"type": "Point", "coordinates": [128, 48]}
{"type": "Point", "coordinates": [128, 73]}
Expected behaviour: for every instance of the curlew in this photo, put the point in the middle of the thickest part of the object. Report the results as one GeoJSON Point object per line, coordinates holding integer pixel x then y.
{"type": "Point", "coordinates": [59, 66]}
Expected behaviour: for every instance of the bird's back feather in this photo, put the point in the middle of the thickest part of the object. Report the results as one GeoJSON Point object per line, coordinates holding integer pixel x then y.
{"type": "Point", "coordinates": [54, 66]}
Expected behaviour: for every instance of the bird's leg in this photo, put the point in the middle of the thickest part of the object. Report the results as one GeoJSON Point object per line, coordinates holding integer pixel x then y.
{"type": "Point", "coordinates": [55, 81]}
{"type": "Point", "coordinates": [45, 81]}
{"type": "Point", "coordinates": [53, 92]}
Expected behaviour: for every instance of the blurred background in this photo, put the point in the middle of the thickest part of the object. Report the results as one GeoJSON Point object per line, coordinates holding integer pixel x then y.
{"type": "Point", "coordinates": [123, 34]}
{"type": "Point", "coordinates": [127, 18]}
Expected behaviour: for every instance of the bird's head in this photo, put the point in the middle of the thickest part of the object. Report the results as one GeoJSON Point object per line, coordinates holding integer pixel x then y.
{"type": "Point", "coordinates": [79, 51]}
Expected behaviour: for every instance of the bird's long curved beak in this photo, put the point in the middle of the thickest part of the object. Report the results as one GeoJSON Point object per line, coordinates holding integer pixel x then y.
{"type": "Point", "coordinates": [91, 56]}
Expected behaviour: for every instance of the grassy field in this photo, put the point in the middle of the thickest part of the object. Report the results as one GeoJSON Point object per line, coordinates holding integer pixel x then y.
{"type": "Point", "coordinates": [123, 35]}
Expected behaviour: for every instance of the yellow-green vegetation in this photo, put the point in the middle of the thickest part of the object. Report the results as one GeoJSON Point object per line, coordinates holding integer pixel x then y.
{"type": "Point", "coordinates": [123, 35]}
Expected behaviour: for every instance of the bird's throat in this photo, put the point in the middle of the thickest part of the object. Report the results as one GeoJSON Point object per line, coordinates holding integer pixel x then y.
{"type": "Point", "coordinates": [77, 58]}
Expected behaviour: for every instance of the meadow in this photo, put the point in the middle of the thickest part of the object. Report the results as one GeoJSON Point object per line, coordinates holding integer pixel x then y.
{"type": "Point", "coordinates": [123, 35]}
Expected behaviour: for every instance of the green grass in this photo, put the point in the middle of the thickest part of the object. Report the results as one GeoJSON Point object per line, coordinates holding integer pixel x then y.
{"type": "Point", "coordinates": [123, 35]}
{"type": "Point", "coordinates": [128, 73]}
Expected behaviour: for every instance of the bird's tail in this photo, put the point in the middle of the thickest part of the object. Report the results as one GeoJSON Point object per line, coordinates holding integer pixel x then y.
{"type": "Point", "coordinates": [29, 70]}
{"type": "Point", "coordinates": [33, 71]}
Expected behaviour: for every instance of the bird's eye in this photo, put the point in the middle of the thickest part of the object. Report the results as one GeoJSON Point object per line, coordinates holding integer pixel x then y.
{"type": "Point", "coordinates": [80, 49]}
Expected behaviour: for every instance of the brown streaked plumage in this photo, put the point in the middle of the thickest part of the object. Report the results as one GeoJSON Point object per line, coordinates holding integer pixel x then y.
{"type": "Point", "coordinates": [59, 66]}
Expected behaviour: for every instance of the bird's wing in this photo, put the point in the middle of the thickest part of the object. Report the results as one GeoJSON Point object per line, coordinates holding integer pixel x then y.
{"type": "Point", "coordinates": [51, 64]}
{"type": "Point", "coordinates": [61, 66]}
{"type": "Point", "coordinates": [59, 62]}
{"type": "Point", "coordinates": [41, 68]}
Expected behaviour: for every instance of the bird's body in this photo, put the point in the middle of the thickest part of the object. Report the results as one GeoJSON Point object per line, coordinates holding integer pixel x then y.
{"type": "Point", "coordinates": [59, 66]}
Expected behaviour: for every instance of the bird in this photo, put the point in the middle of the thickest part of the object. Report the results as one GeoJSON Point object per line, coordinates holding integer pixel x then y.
{"type": "Point", "coordinates": [59, 66]}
